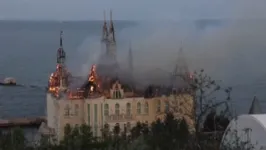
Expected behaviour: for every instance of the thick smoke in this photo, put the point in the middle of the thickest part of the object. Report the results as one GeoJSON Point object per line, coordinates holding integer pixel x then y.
{"type": "Point", "coordinates": [231, 50]}
{"type": "Point", "coordinates": [228, 50]}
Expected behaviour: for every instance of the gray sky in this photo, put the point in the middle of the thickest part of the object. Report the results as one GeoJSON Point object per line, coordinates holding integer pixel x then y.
{"type": "Point", "coordinates": [131, 10]}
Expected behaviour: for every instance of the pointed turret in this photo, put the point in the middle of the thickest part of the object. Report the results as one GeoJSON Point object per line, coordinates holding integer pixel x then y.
{"type": "Point", "coordinates": [61, 55]}
{"type": "Point", "coordinates": [255, 107]}
{"type": "Point", "coordinates": [111, 46]}
{"type": "Point", "coordinates": [131, 66]}
{"type": "Point", "coordinates": [181, 68]}
{"type": "Point", "coordinates": [108, 59]}
{"type": "Point", "coordinates": [111, 28]}
{"type": "Point", "coordinates": [105, 30]}
{"type": "Point", "coordinates": [181, 76]}
{"type": "Point", "coordinates": [130, 59]}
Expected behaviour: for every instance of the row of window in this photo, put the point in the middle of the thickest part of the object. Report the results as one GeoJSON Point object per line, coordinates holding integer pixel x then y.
{"type": "Point", "coordinates": [68, 112]}
{"type": "Point", "coordinates": [117, 108]}
{"type": "Point", "coordinates": [128, 109]}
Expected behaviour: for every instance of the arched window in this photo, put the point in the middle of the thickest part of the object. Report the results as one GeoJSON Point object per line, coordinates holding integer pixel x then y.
{"type": "Point", "coordinates": [117, 109]}
{"type": "Point", "coordinates": [139, 108]}
{"type": "Point", "coordinates": [106, 110]}
{"type": "Point", "coordinates": [166, 106]}
{"type": "Point", "coordinates": [117, 94]}
{"type": "Point", "coordinates": [146, 108]}
{"type": "Point", "coordinates": [128, 110]}
{"type": "Point", "coordinates": [76, 109]}
{"type": "Point", "coordinates": [159, 106]}
{"type": "Point", "coordinates": [67, 110]}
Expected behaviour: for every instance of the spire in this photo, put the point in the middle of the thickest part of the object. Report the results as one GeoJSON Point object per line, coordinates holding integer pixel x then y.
{"type": "Point", "coordinates": [181, 68]}
{"type": "Point", "coordinates": [61, 55]}
{"type": "Point", "coordinates": [111, 44]}
{"type": "Point", "coordinates": [130, 58]}
{"type": "Point", "coordinates": [180, 76]}
{"type": "Point", "coordinates": [61, 38]}
{"type": "Point", "coordinates": [255, 107]}
{"type": "Point", "coordinates": [105, 30]}
{"type": "Point", "coordinates": [111, 29]}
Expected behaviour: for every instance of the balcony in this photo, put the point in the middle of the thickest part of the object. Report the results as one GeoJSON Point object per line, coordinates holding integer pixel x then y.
{"type": "Point", "coordinates": [119, 118]}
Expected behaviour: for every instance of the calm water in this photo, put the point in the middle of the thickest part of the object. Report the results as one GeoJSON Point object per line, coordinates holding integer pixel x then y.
{"type": "Point", "coordinates": [27, 52]}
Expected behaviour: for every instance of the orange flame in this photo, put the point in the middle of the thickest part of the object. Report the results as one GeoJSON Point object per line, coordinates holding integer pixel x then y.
{"type": "Point", "coordinates": [54, 79]}
{"type": "Point", "coordinates": [93, 74]}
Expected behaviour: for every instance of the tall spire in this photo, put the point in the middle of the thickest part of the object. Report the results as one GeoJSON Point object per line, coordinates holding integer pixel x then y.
{"type": "Point", "coordinates": [111, 45]}
{"type": "Point", "coordinates": [111, 29]}
{"type": "Point", "coordinates": [181, 68]}
{"type": "Point", "coordinates": [61, 38]}
{"type": "Point", "coordinates": [61, 55]}
{"type": "Point", "coordinates": [105, 30]}
{"type": "Point", "coordinates": [130, 58]}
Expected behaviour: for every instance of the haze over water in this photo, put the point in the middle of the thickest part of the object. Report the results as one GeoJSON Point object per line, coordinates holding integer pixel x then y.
{"type": "Point", "coordinates": [231, 51]}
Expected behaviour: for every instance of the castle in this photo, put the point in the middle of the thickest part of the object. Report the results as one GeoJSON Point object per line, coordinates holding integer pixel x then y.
{"type": "Point", "coordinates": [106, 99]}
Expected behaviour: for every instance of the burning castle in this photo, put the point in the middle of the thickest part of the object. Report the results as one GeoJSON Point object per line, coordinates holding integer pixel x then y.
{"type": "Point", "coordinates": [105, 98]}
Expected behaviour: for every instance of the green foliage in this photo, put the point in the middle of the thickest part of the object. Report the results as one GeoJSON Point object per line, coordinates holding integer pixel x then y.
{"type": "Point", "coordinates": [167, 134]}
{"type": "Point", "coordinates": [78, 137]}
{"type": "Point", "coordinates": [205, 89]}
{"type": "Point", "coordinates": [13, 139]}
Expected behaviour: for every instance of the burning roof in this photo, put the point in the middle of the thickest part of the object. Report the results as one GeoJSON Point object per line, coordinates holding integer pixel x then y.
{"type": "Point", "coordinates": [103, 75]}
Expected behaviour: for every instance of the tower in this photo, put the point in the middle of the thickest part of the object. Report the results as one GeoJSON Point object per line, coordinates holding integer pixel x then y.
{"type": "Point", "coordinates": [108, 60]}
{"type": "Point", "coordinates": [104, 40]}
{"type": "Point", "coordinates": [130, 59]}
{"type": "Point", "coordinates": [61, 57]}
{"type": "Point", "coordinates": [130, 65]}
{"type": "Point", "coordinates": [111, 48]}
{"type": "Point", "coordinates": [111, 28]}
{"type": "Point", "coordinates": [104, 30]}
{"type": "Point", "coordinates": [181, 74]}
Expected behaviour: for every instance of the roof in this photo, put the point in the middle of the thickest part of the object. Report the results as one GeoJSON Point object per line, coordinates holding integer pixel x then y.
{"type": "Point", "coordinates": [261, 119]}
{"type": "Point", "coordinates": [243, 126]}
{"type": "Point", "coordinates": [255, 107]}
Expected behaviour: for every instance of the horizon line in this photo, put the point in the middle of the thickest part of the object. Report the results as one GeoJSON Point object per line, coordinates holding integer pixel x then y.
{"type": "Point", "coordinates": [85, 20]}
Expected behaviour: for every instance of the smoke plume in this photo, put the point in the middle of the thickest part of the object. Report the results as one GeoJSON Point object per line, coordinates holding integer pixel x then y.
{"type": "Point", "coordinates": [219, 46]}
{"type": "Point", "coordinates": [231, 50]}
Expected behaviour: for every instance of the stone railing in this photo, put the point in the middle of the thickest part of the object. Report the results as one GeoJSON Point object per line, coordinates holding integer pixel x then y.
{"type": "Point", "coordinates": [118, 118]}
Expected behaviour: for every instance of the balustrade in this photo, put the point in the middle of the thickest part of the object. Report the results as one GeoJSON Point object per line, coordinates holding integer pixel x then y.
{"type": "Point", "coordinates": [117, 118]}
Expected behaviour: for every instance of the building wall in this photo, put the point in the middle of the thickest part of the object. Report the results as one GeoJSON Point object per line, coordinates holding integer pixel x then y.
{"type": "Point", "coordinates": [50, 110]}
{"type": "Point", "coordinates": [181, 105]}
{"type": "Point", "coordinates": [93, 114]}
{"type": "Point", "coordinates": [119, 112]}
{"type": "Point", "coordinates": [69, 112]}
{"type": "Point", "coordinates": [99, 111]}
{"type": "Point", "coordinates": [144, 110]}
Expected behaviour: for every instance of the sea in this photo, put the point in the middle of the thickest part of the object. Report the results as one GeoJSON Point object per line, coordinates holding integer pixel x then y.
{"type": "Point", "coordinates": [28, 54]}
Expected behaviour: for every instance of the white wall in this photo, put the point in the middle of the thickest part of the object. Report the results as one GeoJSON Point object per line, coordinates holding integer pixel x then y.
{"type": "Point", "coordinates": [256, 134]}
{"type": "Point", "coordinates": [50, 110]}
